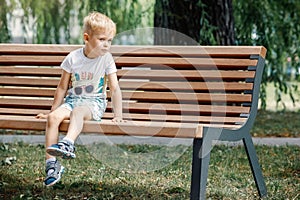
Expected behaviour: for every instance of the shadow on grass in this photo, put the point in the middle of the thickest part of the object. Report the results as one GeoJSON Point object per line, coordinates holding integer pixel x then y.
{"type": "Point", "coordinates": [15, 187]}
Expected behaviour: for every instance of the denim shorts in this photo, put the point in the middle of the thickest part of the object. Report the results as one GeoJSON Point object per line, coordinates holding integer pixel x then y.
{"type": "Point", "coordinates": [95, 104]}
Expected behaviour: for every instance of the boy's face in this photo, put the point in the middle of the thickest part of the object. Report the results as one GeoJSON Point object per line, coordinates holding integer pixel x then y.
{"type": "Point", "coordinates": [97, 44]}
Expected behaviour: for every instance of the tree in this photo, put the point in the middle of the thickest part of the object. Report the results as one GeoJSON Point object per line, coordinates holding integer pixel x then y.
{"type": "Point", "coordinates": [58, 21]}
{"type": "Point", "coordinates": [206, 21]}
{"type": "Point", "coordinates": [181, 16]}
{"type": "Point", "coordinates": [273, 24]}
{"type": "Point", "coordinates": [4, 31]}
{"type": "Point", "coordinates": [220, 16]}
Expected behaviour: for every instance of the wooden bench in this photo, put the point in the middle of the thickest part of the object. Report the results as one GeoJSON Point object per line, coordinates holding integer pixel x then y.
{"type": "Point", "coordinates": [205, 93]}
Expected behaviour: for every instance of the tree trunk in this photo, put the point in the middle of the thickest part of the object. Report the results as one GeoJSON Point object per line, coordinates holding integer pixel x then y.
{"type": "Point", "coordinates": [184, 16]}
{"type": "Point", "coordinates": [220, 15]}
{"type": "Point", "coordinates": [176, 22]}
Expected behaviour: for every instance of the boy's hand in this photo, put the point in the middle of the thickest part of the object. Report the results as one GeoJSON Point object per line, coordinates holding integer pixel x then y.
{"type": "Point", "coordinates": [41, 116]}
{"type": "Point", "coordinates": [118, 119]}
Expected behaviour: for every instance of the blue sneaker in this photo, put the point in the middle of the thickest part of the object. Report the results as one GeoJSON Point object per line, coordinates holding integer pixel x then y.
{"type": "Point", "coordinates": [55, 175]}
{"type": "Point", "coordinates": [62, 149]}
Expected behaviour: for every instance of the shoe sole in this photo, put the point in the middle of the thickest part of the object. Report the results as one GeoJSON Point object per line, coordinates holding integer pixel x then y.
{"type": "Point", "coordinates": [58, 178]}
{"type": "Point", "coordinates": [60, 153]}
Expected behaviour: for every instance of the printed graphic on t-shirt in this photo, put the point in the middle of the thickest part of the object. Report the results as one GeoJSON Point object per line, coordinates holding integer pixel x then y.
{"type": "Point", "coordinates": [83, 76]}
{"type": "Point", "coordinates": [84, 84]}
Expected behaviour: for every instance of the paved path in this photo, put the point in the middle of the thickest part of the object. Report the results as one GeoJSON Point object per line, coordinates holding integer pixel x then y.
{"type": "Point", "coordinates": [89, 139]}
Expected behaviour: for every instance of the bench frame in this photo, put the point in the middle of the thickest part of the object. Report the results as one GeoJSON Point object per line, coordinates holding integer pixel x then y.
{"type": "Point", "coordinates": [202, 136]}
{"type": "Point", "coordinates": [202, 147]}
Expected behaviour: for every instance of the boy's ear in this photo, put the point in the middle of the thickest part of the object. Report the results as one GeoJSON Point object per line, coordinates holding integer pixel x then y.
{"type": "Point", "coordinates": [86, 37]}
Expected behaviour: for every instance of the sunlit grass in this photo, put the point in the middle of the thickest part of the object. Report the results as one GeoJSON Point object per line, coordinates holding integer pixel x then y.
{"type": "Point", "coordinates": [89, 178]}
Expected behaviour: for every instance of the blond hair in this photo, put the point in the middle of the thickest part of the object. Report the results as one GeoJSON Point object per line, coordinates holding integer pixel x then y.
{"type": "Point", "coordinates": [98, 22]}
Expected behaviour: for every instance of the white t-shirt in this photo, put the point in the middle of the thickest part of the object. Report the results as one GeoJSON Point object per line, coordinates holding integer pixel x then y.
{"type": "Point", "coordinates": [88, 77]}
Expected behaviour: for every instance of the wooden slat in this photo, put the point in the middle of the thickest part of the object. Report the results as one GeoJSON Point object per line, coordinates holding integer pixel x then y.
{"type": "Point", "coordinates": [238, 51]}
{"type": "Point", "coordinates": [31, 71]}
{"type": "Point", "coordinates": [126, 84]}
{"type": "Point", "coordinates": [108, 127]}
{"type": "Point", "coordinates": [184, 109]}
{"type": "Point", "coordinates": [132, 128]}
{"type": "Point", "coordinates": [29, 92]}
{"type": "Point", "coordinates": [136, 116]}
{"type": "Point", "coordinates": [215, 51]}
{"type": "Point", "coordinates": [181, 118]}
{"type": "Point", "coordinates": [37, 49]}
{"type": "Point", "coordinates": [128, 61]}
{"type": "Point", "coordinates": [22, 111]}
{"type": "Point", "coordinates": [184, 74]}
{"type": "Point", "coordinates": [31, 60]}
{"type": "Point", "coordinates": [29, 103]}
{"type": "Point", "coordinates": [136, 73]}
{"type": "Point", "coordinates": [186, 86]}
{"type": "Point", "coordinates": [138, 61]}
{"type": "Point", "coordinates": [27, 81]}
{"type": "Point", "coordinates": [144, 96]}
{"type": "Point", "coordinates": [134, 107]}
{"type": "Point", "coordinates": [183, 62]}
{"type": "Point", "coordinates": [185, 97]}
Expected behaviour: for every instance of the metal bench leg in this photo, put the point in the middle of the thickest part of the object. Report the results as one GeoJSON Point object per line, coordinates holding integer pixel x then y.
{"type": "Point", "coordinates": [200, 165]}
{"type": "Point", "coordinates": [255, 167]}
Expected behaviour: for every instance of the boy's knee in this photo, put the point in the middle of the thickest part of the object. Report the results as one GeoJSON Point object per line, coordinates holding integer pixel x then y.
{"type": "Point", "coordinates": [53, 118]}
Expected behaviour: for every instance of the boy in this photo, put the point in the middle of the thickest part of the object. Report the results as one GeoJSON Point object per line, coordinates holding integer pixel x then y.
{"type": "Point", "coordinates": [84, 80]}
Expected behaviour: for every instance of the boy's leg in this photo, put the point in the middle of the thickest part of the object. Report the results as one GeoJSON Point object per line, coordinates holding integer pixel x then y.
{"type": "Point", "coordinates": [54, 169]}
{"type": "Point", "coordinates": [53, 121]}
{"type": "Point", "coordinates": [65, 148]}
{"type": "Point", "coordinates": [78, 115]}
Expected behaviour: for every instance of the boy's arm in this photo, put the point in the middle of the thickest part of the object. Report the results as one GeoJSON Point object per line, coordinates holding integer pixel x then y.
{"type": "Point", "coordinates": [61, 90]}
{"type": "Point", "coordinates": [59, 94]}
{"type": "Point", "coordinates": [116, 97]}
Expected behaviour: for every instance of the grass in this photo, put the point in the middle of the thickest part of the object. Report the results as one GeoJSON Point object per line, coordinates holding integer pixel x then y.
{"type": "Point", "coordinates": [277, 124]}
{"type": "Point", "coordinates": [93, 177]}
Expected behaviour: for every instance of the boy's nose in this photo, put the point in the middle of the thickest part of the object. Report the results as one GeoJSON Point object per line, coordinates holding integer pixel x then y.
{"type": "Point", "coordinates": [106, 43]}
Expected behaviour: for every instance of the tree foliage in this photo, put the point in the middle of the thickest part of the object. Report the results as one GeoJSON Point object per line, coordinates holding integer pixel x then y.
{"type": "Point", "coordinates": [58, 21]}
{"type": "Point", "coordinates": [4, 30]}
{"type": "Point", "coordinates": [275, 25]}
{"type": "Point", "coordinates": [220, 18]}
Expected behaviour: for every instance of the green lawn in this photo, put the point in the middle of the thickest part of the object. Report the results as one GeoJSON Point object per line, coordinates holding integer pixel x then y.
{"type": "Point", "coordinates": [277, 124]}
{"type": "Point", "coordinates": [22, 173]}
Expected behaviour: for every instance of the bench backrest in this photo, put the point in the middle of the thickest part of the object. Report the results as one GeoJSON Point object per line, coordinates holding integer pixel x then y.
{"type": "Point", "coordinates": [194, 84]}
